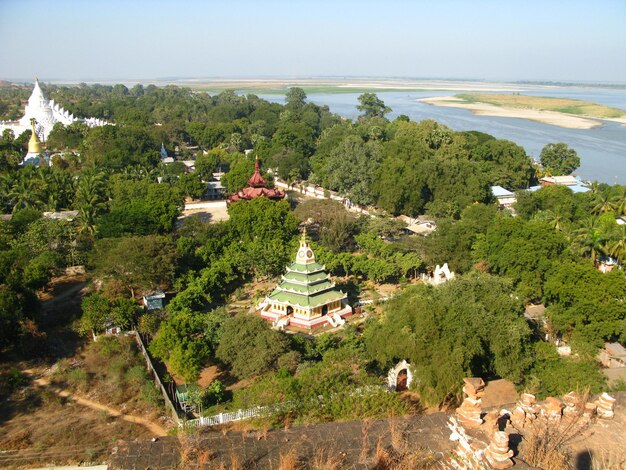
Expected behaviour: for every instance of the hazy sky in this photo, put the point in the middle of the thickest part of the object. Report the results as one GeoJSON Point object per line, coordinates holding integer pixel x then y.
{"type": "Point", "coordinates": [149, 39]}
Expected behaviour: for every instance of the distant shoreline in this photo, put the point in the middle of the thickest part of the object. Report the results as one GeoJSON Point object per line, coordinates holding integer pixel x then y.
{"type": "Point", "coordinates": [554, 118]}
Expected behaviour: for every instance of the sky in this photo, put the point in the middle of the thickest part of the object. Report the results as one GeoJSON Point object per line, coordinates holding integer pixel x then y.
{"type": "Point", "coordinates": [566, 40]}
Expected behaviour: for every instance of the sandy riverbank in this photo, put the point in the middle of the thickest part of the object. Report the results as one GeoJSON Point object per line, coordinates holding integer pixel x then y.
{"type": "Point", "coordinates": [553, 118]}
{"type": "Point", "coordinates": [546, 117]}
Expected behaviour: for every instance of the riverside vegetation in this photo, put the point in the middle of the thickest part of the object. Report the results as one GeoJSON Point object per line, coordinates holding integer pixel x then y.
{"type": "Point", "coordinates": [126, 234]}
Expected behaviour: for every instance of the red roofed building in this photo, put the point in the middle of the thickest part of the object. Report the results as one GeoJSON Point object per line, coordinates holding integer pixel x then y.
{"type": "Point", "coordinates": [257, 187]}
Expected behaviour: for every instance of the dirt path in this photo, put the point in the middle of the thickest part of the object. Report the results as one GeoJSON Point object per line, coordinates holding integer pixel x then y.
{"type": "Point", "coordinates": [155, 428]}
{"type": "Point", "coordinates": [71, 291]}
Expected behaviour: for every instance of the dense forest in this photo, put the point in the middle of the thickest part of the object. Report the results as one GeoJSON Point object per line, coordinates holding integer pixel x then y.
{"type": "Point", "coordinates": [126, 233]}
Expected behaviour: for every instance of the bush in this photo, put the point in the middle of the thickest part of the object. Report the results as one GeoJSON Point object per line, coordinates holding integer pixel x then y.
{"type": "Point", "coordinates": [77, 378]}
{"type": "Point", "coordinates": [136, 375]}
{"type": "Point", "coordinates": [150, 394]}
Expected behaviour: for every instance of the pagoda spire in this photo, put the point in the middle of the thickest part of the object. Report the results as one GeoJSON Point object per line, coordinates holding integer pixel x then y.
{"type": "Point", "coordinates": [256, 180]}
{"type": "Point", "coordinates": [34, 145]}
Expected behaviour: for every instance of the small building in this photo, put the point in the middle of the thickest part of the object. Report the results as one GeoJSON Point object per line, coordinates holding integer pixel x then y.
{"type": "Point", "coordinates": [153, 300]}
{"type": "Point", "coordinates": [214, 190]}
{"type": "Point", "coordinates": [613, 355]}
{"type": "Point", "coordinates": [425, 227]}
{"type": "Point", "coordinates": [572, 182]}
{"type": "Point", "coordinates": [505, 198]}
{"type": "Point", "coordinates": [305, 297]}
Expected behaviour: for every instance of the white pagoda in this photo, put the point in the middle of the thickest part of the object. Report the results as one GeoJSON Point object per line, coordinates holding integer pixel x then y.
{"type": "Point", "coordinates": [46, 114]}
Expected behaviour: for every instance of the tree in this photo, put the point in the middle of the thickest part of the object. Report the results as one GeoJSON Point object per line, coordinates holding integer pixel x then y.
{"type": "Point", "coordinates": [207, 164]}
{"type": "Point", "coordinates": [559, 159]}
{"type": "Point", "coordinates": [335, 224]}
{"type": "Point", "coordinates": [472, 326]}
{"type": "Point", "coordinates": [187, 339]}
{"type": "Point", "coordinates": [192, 186]}
{"type": "Point", "coordinates": [249, 346]}
{"type": "Point", "coordinates": [136, 262]}
{"type": "Point", "coordinates": [100, 313]}
{"type": "Point", "coordinates": [372, 106]}
{"type": "Point", "coordinates": [585, 303]}
{"type": "Point", "coordinates": [296, 98]}
{"type": "Point", "coordinates": [590, 238]}
{"type": "Point", "coordinates": [522, 251]}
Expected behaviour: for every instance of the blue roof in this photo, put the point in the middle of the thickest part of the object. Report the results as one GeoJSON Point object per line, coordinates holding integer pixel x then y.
{"type": "Point", "coordinates": [500, 191]}
{"type": "Point", "coordinates": [579, 188]}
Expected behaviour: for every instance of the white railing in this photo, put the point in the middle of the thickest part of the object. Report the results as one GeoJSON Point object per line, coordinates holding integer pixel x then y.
{"type": "Point", "coordinates": [238, 415]}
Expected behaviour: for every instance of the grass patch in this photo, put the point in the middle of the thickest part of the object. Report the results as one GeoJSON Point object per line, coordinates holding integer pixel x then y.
{"type": "Point", "coordinates": [544, 103]}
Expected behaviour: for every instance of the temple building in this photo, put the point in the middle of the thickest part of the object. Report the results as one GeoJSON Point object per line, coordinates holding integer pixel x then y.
{"type": "Point", "coordinates": [46, 114]}
{"type": "Point", "coordinates": [35, 155]}
{"type": "Point", "coordinates": [306, 297]}
{"type": "Point", "coordinates": [257, 187]}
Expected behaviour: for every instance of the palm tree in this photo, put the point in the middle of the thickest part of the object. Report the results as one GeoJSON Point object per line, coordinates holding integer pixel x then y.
{"type": "Point", "coordinates": [27, 189]}
{"type": "Point", "coordinates": [604, 202]}
{"type": "Point", "coordinates": [556, 220]}
{"type": "Point", "coordinates": [617, 245]}
{"type": "Point", "coordinates": [590, 239]}
{"type": "Point", "coordinates": [89, 200]}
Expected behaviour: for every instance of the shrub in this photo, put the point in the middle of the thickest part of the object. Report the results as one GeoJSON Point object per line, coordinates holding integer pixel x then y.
{"type": "Point", "coordinates": [77, 378]}
{"type": "Point", "coordinates": [150, 394]}
{"type": "Point", "coordinates": [136, 375]}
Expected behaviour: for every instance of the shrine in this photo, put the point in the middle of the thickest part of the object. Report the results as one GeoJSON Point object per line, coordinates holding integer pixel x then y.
{"type": "Point", "coordinates": [306, 297]}
{"type": "Point", "coordinates": [46, 114]}
{"type": "Point", "coordinates": [257, 187]}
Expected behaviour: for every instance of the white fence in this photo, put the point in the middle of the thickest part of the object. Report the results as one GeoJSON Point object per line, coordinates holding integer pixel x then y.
{"type": "Point", "coordinates": [238, 415]}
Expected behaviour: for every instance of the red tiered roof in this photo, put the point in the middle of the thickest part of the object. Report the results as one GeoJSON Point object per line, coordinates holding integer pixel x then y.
{"type": "Point", "coordinates": [256, 180]}
{"type": "Point", "coordinates": [256, 188]}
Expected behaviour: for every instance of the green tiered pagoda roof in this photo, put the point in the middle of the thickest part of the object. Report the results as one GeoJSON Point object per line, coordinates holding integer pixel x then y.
{"type": "Point", "coordinates": [306, 282]}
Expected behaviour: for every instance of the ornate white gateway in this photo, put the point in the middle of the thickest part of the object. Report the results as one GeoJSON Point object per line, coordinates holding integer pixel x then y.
{"type": "Point", "coordinates": [400, 376]}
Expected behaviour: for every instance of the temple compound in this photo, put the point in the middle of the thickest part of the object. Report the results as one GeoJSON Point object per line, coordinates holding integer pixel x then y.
{"type": "Point", "coordinates": [306, 297]}
{"type": "Point", "coordinates": [257, 187]}
{"type": "Point", "coordinates": [46, 114]}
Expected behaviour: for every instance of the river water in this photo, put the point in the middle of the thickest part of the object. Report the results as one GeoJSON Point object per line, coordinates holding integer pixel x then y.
{"type": "Point", "coordinates": [602, 150]}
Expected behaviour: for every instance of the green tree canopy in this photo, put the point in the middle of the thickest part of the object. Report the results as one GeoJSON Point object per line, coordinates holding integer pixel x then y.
{"type": "Point", "coordinates": [372, 106]}
{"type": "Point", "coordinates": [559, 159]}
{"type": "Point", "coordinates": [249, 346]}
{"type": "Point", "coordinates": [472, 326]}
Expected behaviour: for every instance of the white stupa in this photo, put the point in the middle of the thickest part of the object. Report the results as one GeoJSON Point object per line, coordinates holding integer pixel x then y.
{"type": "Point", "coordinates": [46, 114]}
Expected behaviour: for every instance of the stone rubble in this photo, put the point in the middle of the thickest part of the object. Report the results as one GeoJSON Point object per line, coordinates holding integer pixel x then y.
{"type": "Point", "coordinates": [605, 406]}
{"type": "Point", "coordinates": [469, 413]}
{"type": "Point", "coordinates": [526, 410]}
{"type": "Point", "coordinates": [498, 454]}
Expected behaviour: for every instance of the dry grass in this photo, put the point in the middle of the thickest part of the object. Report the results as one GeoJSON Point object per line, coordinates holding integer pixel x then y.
{"type": "Point", "coordinates": [326, 460]}
{"type": "Point", "coordinates": [289, 461]}
{"type": "Point", "coordinates": [388, 458]}
{"type": "Point", "coordinates": [546, 444]}
{"type": "Point", "coordinates": [608, 461]}
{"type": "Point", "coordinates": [365, 446]}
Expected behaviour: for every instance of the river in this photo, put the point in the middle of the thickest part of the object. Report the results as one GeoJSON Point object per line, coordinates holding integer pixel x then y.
{"type": "Point", "coordinates": [602, 150]}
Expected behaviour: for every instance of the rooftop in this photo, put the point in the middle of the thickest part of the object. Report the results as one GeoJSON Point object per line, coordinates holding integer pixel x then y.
{"type": "Point", "coordinates": [499, 191]}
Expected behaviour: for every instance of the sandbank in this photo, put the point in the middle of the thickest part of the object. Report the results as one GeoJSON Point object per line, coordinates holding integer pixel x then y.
{"type": "Point", "coordinates": [546, 117]}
